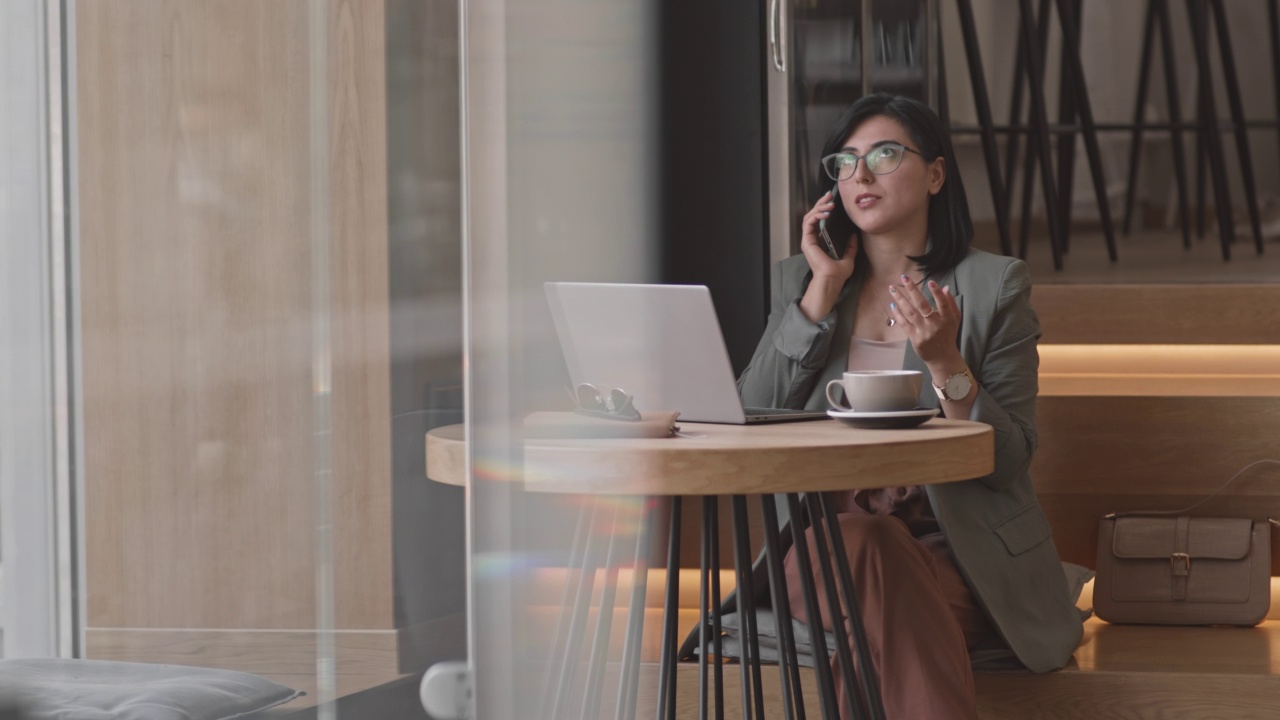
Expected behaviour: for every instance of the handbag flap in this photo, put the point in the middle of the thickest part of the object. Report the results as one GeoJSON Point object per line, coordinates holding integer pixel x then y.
{"type": "Point", "coordinates": [1137, 538]}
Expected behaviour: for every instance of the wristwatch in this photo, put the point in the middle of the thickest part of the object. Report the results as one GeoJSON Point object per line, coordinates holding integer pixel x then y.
{"type": "Point", "coordinates": [956, 387]}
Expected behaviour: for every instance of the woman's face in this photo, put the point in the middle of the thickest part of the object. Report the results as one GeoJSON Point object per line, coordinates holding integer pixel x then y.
{"type": "Point", "coordinates": [897, 201]}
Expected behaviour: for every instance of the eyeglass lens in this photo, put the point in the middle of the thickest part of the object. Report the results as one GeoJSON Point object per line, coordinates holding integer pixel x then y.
{"type": "Point", "coordinates": [590, 398]}
{"type": "Point", "coordinates": [880, 161]}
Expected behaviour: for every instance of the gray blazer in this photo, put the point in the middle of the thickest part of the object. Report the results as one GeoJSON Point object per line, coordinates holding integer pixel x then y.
{"type": "Point", "coordinates": [994, 524]}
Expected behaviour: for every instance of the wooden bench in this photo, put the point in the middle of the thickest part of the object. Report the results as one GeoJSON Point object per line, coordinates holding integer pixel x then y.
{"type": "Point", "coordinates": [1153, 426]}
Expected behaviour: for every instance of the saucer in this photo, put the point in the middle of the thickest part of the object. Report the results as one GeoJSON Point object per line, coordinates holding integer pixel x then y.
{"type": "Point", "coordinates": [884, 420]}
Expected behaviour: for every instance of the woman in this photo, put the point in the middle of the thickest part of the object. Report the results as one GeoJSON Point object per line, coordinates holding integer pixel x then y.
{"type": "Point", "coordinates": [941, 569]}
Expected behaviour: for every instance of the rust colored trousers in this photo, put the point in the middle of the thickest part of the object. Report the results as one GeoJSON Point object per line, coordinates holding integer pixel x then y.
{"type": "Point", "coordinates": [920, 617]}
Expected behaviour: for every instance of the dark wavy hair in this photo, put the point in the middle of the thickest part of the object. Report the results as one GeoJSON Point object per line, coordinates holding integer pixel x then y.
{"type": "Point", "coordinates": [950, 227]}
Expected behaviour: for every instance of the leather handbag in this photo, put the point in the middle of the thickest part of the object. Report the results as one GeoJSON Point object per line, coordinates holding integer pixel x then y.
{"type": "Point", "coordinates": [1169, 568]}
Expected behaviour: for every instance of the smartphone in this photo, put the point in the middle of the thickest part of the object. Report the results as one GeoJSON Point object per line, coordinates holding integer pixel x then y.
{"type": "Point", "coordinates": [836, 229]}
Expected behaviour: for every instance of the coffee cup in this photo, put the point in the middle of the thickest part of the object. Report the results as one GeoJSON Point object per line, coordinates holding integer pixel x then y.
{"type": "Point", "coordinates": [876, 390]}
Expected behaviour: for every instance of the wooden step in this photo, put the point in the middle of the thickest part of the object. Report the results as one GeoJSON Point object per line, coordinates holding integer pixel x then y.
{"type": "Point", "coordinates": [1131, 672]}
{"type": "Point", "coordinates": [1140, 672]}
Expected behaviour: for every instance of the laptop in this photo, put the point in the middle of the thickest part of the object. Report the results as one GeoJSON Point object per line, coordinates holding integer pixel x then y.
{"type": "Point", "coordinates": [662, 344]}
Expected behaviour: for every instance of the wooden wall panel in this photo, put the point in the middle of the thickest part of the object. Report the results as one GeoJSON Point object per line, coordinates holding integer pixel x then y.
{"type": "Point", "coordinates": [194, 171]}
{"type": "Point", "coordinates": [1108, 454]}
{"type": "Point", "coordinates": [1158, 314]}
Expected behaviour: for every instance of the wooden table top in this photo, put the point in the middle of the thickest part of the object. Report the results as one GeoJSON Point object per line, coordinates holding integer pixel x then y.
{"type": "Point", "coordinates": [814, 455]}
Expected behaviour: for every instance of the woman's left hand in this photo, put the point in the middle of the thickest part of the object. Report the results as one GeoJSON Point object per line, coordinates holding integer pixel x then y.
{"type": "Point", "coordinates": [932, 330]}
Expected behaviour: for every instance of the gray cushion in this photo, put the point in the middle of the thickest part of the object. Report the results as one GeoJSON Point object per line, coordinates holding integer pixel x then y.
{"type": "Point", "coordinates": [45, 689]}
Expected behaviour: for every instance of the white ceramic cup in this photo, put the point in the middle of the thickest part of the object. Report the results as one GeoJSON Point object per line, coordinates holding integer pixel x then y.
{"type": "Point", "coordinates": [876, 390]}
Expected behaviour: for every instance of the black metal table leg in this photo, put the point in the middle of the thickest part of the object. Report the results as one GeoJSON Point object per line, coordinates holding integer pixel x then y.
{"type": "Point", "coordinates": [717, 627]}
{"type": "Point", "coordinates": [868, 677]}
{"type": "Point", "coordinates": [749, 630]}
{"type": "Point", "coordinates": [670, 609]}
{"type": "Point", "coordinates": [818, 636]}
{"type": "Point", "coordinates": [704, 615]}
{"type": "Point", "coordinates": [821, 532]}
{"type": "Point", "coordinates": [710, 629]}
{"type": "Point", "coordinates": [789, 665]}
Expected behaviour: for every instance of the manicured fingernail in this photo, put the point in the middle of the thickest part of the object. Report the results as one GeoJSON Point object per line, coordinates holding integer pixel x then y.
{"type": "Point", "coordinates": [826, 213]}
{"type": "Point", "coordinates": [905, 279]}
{"type": "Point", "coordinates": [947, 289]}
{"type": "Point", "coordinates": [893, 306]}
{"type": "Point", "coordinates": [893, 290]}
{"type": "Point", "coordinates": [933, 283]}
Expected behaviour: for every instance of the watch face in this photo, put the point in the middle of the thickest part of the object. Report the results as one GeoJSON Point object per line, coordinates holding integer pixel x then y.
{"type": "Point", "coordinates": [958, 387]}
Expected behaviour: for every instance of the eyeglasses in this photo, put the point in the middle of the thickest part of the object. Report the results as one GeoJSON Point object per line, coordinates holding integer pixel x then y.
{"type": "Point", "coordinates": [881, 160]}
{"type": "Point", "coordinates": [611, 403]}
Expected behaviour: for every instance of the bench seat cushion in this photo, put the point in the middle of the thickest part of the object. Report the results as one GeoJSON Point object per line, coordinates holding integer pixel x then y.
{"type": "Point", "coordinates": [52, 689]}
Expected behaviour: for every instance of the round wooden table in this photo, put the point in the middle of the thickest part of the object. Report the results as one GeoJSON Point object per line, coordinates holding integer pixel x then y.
{"type": "Point", "coordinates": [811, 456]}
{"type": "Point", "coordinates": [806, 462]}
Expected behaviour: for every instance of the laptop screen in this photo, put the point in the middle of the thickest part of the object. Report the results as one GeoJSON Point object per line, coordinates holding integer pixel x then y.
{"type": "Point", "coordinates": [660, 343]}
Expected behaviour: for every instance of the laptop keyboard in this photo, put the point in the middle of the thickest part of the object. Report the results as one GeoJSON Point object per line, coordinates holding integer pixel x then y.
{"type": "Point", "coordinates": [774, 411]}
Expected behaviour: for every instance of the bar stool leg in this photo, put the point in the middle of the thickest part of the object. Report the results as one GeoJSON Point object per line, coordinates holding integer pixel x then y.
{"type": "Point", "coordinates": [1202, 142]}
{"type": "Point", "coordinates": [1198, 11]}
{"type": "Point", "coordinates": [1067, 91]}
{"type": "Point", "coordinates": [670, 608]}
{"type": "Point", "coordinates": [1175, 116]}
{"type": "Point", "coordinates": [1028, 194]}
{"type": "Point", "coordinates": [1015, 120]}
{"type": "Point", "coordinates": [629, 682]}
{"type": "Point", "coordinates": [1139, 117]}
{"type": "Point", "coordinates": [1089, 130]}
{"type": "Point", "coordinates": [789, 665]}
{"type": "Point", "coordinates": [1236, 103]}
{"type": "Point", "coordinates": [817, 634]}
{"type": "Point", "coordinates": [1029, 171]}
{"type": "Point", "coordinates": [983, 105]}
{"type": "Point", "coordinates": [1040, 124]}
{"type": "Point", "coordinates": [1273, 30]}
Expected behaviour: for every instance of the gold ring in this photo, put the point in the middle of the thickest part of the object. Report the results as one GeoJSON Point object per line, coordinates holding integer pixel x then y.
{"type": "Point", "coordinates": [931, 312]}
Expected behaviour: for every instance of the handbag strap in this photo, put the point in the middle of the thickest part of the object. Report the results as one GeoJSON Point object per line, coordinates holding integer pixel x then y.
{"type": "Point", "coordinates": [1215, 494]}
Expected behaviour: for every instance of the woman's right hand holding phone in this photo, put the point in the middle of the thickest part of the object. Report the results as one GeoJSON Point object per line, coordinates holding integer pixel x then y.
{"type": "Point", "coordinates": [829, 275]}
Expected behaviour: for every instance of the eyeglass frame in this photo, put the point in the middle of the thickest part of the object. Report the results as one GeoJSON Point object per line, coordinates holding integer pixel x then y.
{"type": "Point", "coordinates": [860, 158]}
{"type": "Point", "coordinates": [615, 404]}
